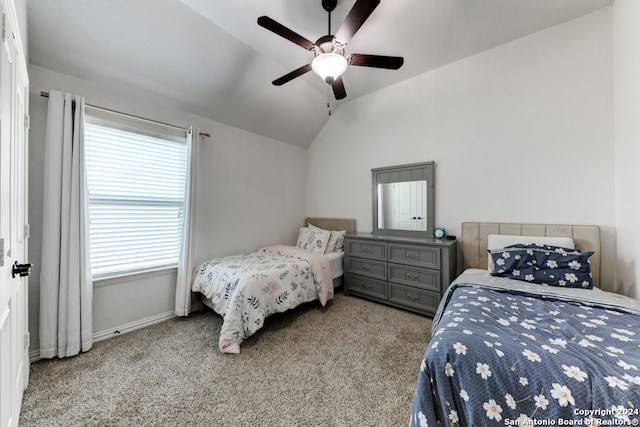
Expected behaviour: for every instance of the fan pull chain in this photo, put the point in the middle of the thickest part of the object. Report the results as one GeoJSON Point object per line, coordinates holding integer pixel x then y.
{"type": "Point", "coordinates": [329, 100]}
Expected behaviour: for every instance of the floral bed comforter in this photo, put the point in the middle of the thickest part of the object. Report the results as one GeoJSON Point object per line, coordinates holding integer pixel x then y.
{"type": "Point", "coordinates": [245, 289]}
{"type": "Point", "coordinates": [513, 353]}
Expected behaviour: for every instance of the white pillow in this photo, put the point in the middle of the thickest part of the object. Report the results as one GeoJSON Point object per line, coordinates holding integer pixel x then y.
{"type": "Point", "coordinates": [499, 241]}
{"type": "Point", "coordinates": [336, 240]}
{"type": "Point", "coordinates": [339, 235]}
{"type": "Point", "coordinates": [313, 239]}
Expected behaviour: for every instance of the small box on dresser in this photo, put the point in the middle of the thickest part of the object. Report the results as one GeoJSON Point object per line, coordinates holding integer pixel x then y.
{"type": "Point", "coordinates": [406, 272]}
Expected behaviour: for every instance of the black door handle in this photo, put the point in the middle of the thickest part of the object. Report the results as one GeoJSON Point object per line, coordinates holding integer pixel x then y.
{"type": "Point", "coordinates": [21, 270]}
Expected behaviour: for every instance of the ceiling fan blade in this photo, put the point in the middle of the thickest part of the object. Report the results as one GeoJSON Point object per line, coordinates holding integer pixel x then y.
{"type": "Point", "coordinates": [281, 30]}
{"type": "Point", "coordinates": [354, 20]}
{"type": "Point", "coordinates": [338, 88]}
{"type": "Point", "coordinates": [376, 61]}
{"type": "Point", "coordinates": [292, 75]}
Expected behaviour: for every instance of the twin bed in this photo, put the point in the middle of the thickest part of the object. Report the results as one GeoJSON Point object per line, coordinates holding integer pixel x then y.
{"type": "Point", "coordinates": [509, 351]}
{"type": "Point", "coordinates": [245, 289]}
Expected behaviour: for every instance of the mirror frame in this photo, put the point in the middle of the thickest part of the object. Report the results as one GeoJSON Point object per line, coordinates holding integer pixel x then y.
{"type": "Point", "coordinates": [403, 173]}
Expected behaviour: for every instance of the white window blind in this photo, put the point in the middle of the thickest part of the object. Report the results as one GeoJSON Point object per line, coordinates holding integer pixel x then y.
{"type": "Point", "coordinates": [136, 179]}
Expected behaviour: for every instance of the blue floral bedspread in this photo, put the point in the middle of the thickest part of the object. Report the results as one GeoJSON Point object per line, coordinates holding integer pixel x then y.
{"type": "Point", "coordinates": [506, 353]}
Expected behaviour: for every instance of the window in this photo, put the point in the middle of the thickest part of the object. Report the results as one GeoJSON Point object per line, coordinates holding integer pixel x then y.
{"type": "Point", "coordinates": [136, 180]}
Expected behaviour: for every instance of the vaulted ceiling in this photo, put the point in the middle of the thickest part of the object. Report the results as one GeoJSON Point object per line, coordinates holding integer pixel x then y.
{"type": "Point", "coordinates": [210, 58]}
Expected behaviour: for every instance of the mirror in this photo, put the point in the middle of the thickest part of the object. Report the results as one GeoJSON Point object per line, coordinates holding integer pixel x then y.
{"type": "Point", "coordinates": [403, 199]}
{"type": "Point", "coordinates": [402, 205]}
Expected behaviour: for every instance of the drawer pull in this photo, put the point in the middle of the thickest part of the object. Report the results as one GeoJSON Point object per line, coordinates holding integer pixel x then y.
{"type": "Point", "coordinates": [412, 277]}
{"type": "Point", "coordinates": [367, 285]}
{"type": "Point", "coordinates": [413, 297]}
{"type": "Point", "coordinates": [366, 268]}
{"type": "Point", "coordinates": [366, 250]}
{"type": "Point", "coordinates": [411, 256]}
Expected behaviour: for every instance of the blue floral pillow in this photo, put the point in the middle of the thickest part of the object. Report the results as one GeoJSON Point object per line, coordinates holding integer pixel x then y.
{"type": "Point", "coordinates": [544, 264]}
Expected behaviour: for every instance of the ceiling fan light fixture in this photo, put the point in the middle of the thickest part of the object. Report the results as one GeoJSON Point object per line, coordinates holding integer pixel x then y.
{"type": "Point", "coordinates": [329, 66]}
{"type": "Point", "coordinates": [329, 60]}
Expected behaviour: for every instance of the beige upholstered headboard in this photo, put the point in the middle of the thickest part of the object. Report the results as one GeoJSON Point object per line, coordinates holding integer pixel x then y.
{"type": "Point", "coordinates": [333, 224]}
{"type": "Point", "coordinates": [474, 240]}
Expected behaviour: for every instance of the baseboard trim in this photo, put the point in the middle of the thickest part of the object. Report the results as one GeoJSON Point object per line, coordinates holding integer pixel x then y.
{"type": "Point", "coordinates": [133, 326]}
{"type": "Point", "coordinates": [34, 355]}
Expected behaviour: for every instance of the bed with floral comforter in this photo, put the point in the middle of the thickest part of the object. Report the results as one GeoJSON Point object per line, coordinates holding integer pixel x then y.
{"type": "Point", "coordinates": [245, 289]}
{"type": "Point", "coordinates": [506, 352]}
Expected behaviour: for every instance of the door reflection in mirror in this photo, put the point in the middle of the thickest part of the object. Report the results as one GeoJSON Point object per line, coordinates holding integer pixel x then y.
{"type": "Point", "coordinates": [402, 205]}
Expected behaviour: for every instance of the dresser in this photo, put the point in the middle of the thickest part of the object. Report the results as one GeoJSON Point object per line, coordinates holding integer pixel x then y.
{"type": "Point", "coordinates": [406, 272]}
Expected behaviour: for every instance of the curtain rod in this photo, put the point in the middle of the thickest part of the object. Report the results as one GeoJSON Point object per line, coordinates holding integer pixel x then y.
{"type": "Point", "coordinates": [207, 134]}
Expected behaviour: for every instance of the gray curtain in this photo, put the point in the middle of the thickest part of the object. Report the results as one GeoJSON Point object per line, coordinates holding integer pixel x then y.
{"type": "Point", "coordinates": [66, 289]}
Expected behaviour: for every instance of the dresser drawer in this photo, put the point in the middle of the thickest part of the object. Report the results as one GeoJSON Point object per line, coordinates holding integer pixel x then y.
{"type": "Point", "coordinates": [366, 249]}
{"type": "Point", "coordinates": [367, 287]}
{"type": "Point", "coordinates": [367, 267]}
{"type": "Point", "coordinates": [416, 299]}
{"type": "Point", "coordinates": [420, 256]}
{"type": "Point", "coordinates": [412, 276]}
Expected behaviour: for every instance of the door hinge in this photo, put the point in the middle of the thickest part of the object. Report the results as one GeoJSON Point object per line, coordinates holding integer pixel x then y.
{"type": "Point", "coordinates": [27, 340]}
{"type": "Point", "coordinates": [27, 231]}
{"type": "Point", "coordinates": [4, 28]}
{"type": "Point", "coordinates": [27, 121]}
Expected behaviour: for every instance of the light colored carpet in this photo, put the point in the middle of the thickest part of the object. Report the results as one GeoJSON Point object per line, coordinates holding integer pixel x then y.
{"type": "Point", "coordinates": [352, 363]}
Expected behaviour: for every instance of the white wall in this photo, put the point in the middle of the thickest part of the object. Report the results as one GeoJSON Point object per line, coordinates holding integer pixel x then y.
{"type": "Point", "coordinates": [522, 132]}
{"type": "Point", "coordinates": [251, 192]}
{"type": "Point", "coordinates": [626, 66]}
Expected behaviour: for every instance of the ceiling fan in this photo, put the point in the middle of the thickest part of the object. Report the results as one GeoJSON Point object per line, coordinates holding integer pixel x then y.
{"type": "Point", "coordinates": [329, 60]}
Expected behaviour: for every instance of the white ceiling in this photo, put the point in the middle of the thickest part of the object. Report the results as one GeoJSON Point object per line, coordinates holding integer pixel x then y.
{"type": "Point", "coordinates": [212, 59]}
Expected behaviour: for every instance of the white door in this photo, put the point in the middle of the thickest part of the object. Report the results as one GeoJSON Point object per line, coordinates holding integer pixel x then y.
{"type": "Point", "coordinates": [14, 358]}
{"type": "Point", "coordinates": [403, 211]}
{"type": "Point", "coordinates": [420, 205]}
{"type": "Point", "coordinates": [410, 205]}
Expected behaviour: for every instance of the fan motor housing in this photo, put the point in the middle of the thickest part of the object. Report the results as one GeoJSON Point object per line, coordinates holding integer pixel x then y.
{"type": "Point", "coordinates": [325, 45]}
